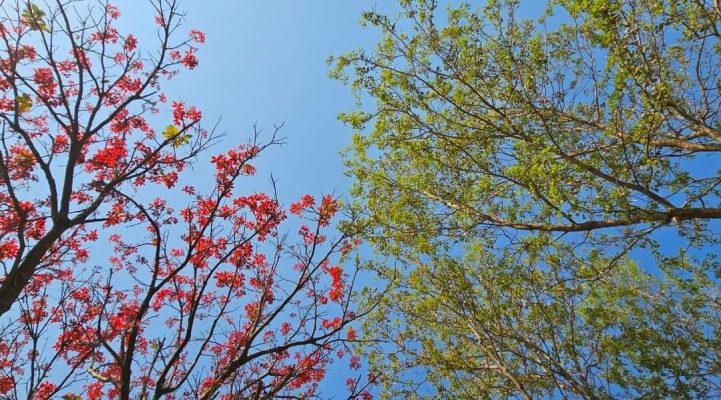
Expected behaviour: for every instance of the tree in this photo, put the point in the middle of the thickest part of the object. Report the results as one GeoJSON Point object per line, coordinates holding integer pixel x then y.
{"type": "Point", "coordinates": [202, 296]}
{"type": "Point", "coordinates": [76, 96]}
{"type": "Point", "coordinates": [549, 189]}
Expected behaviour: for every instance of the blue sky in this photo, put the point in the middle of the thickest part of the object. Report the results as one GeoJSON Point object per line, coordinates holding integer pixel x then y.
{"type": "Point", "coordinates": [264, 62]}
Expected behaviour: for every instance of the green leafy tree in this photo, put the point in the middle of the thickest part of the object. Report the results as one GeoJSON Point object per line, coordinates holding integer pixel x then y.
{"type": "Point", "coordinates": [548, 190]}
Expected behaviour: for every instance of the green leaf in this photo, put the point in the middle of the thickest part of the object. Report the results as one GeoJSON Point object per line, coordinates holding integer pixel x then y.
{"type": "Point", "coordinates": [25, 103]}
{"type": "Point", "coordinates": [172, 133]}
{"type": "Point", "coordinates": [34, 17]}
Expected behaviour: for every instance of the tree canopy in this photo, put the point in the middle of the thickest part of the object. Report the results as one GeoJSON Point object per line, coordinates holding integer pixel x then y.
{"type": "Point", "coordinates": [543, 192]}
{"type": "Point", "coordinates": [123, 278]}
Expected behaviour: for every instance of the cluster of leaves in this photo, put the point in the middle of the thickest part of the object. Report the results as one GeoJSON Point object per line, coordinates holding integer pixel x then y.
{"type": "Point", "coordinates": [201, 296]}
{"type": "Point", "coordinates": [515, 169]}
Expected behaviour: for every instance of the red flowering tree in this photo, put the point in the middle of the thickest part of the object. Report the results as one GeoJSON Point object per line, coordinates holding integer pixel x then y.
{"type": "Point", "coordinates": [200, 296]}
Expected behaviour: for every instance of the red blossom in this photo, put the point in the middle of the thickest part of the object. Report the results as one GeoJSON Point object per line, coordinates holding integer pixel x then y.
{"type": "Point", "coordinates": [189, 59]}
{"type": "Point", "coordinates": [47, 86]}
{"type": "Point", "coordinates": [333, 323]}
{"type": "Point", "coordinates": [178, 112]}
{"type": "Point", "coordinates": [7, 383]}
{"type": "Point", "coordinates": [108, 36]}
{"type": "Point", "coordinates": [337, 285]}
{"type": "Point", "coordinates": [60, 143]}
{"type": "Point", "coordinates": [67, 66]}
{"type": "Point", "coordinates": [305, 202]}
{"type": "Point", "coordinates": [81, 57]}
{"type": "Point", "coordinates": [354, 362]}
{"type": "Point", "coordinates": [131, 42]}
{"type": "Point", "coordinates": [193, 114]}
{"type": "Point", "coordinates": [44, 391]}
{"type": "Point", "coordinates": [328, 208]}
{"type": "Point", "coordinates": [197, 36]}
{"type": "Point", "coordinates": [26, 52]}
{"type": "Point", "coordinates": [112, 11]}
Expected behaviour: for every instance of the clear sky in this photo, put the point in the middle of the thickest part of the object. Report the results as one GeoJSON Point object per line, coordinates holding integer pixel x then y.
{"type": "Point", "coordinates": [265, 62]}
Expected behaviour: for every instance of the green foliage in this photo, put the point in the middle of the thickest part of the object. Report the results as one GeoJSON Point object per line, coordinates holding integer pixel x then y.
{"type": "Point", "coordinates": [25, 103]}
{"type": "Point", "coordinates": [521, 173]}
{"type": "Point", "coordinates": [173, 133]}
{"type": "Point", "coordinates": [495, 326]}
{"type": "Point", "coordinates": [34, 17]}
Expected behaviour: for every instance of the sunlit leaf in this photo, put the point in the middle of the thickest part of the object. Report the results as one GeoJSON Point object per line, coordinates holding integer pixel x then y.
{"type": "Point", "coordinates": [172, 132]}
{"type": "Point", "coordinates": [33, 16]}
{"type": "Point", "coordinates": [25, 103]}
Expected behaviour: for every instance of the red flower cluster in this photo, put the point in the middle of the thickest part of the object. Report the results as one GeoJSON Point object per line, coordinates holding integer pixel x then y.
{"type": "Point", "coordinates": [183, 116]}
{"type": "Point", "coordinates": [197, 36]}
{"type": "Point", "coordinates": [189, 59]}
{"type": "Point", "coordinates": [305, 202]}
{"type": "Point", "coordinates": [46, 85]}
{"type": "Point", "coordinates": [337, 285]}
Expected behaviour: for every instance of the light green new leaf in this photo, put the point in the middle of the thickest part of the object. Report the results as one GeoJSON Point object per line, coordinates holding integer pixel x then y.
{"type": "Point", "coordinates": [34, 17]}
{"type": "Point", "coordinates": [172, 132]}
